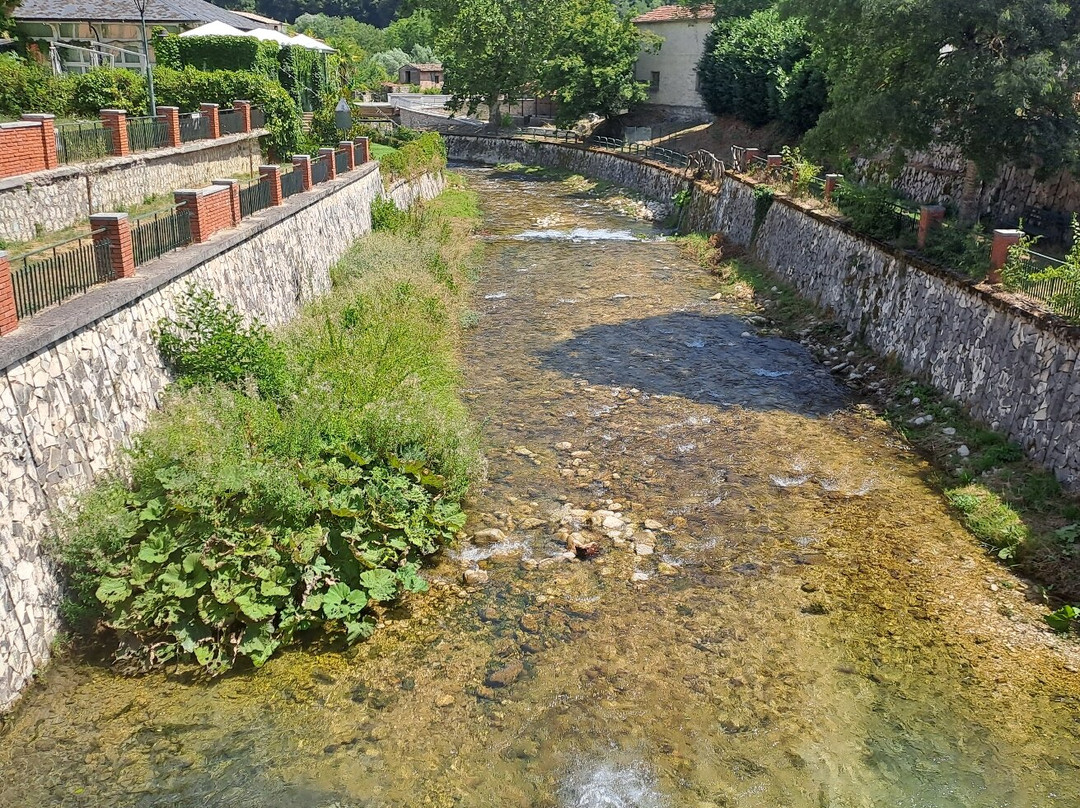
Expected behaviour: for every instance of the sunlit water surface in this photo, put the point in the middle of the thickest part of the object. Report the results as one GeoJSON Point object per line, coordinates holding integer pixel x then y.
{"type": "Point", "coordinates": [812, 629]}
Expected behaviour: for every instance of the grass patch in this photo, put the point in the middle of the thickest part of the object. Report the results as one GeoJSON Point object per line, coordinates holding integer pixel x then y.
{"type": "Point", "coordinates": [380, 150]}
{"type": "Point", "coordinates": [993, 522]}
{"type": "Point", "coordinates": [294, 480]}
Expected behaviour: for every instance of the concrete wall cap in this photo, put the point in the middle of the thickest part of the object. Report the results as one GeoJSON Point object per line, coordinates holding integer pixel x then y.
{"type": "Point", "coordinates": [107, 217]}
{"type": "Point", "coordinates": [38, 116]}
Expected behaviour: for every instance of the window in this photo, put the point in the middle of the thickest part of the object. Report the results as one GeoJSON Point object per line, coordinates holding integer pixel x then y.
{"type": "Point", "coordinates": [654, 81]}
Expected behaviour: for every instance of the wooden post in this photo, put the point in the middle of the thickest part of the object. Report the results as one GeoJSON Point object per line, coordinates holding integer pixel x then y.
{"type": "Point", "coordinates": [831, 181]}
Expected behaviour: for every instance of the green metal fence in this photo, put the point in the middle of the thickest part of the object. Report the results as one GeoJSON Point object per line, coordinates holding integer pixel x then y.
{"type": "Point", "coordinates": [55, 273]}
{"type": "Point", "coordinates": [160, 232]}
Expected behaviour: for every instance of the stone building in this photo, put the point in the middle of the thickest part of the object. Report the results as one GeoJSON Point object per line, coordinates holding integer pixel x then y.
{"type": "Point", "coordinates": [671, 72]}
{"type": "Point", "coordinates": [424, 75]}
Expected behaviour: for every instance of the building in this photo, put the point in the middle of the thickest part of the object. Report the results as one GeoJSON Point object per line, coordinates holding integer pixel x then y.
{"type": "Point", "coordinates": [425, 75]}
{"type": "Point", "coordinates": [264, 22]}
{"type": "Point", "coordinates": [671, 72]}
{"type": "Point", "coordinates": [82, 36]}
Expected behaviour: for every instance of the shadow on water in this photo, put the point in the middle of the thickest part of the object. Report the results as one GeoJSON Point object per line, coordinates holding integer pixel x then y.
{"type": "Point", "coordinates": [704, 358]}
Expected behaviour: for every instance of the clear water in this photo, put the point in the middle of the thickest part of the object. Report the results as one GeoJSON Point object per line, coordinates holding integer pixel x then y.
{"type": "Point", "coordinates": [812, 628]}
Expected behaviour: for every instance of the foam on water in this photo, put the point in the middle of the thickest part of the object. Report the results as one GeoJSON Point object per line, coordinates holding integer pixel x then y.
{"type": "Point", "coordinates": [606, 785]}
{"type": "Point", "coordinates": [578, 234]}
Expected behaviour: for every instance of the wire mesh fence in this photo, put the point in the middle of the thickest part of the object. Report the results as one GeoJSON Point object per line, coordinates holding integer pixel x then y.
{"type": "Point", "coordinates": [194, 126]}
{"type": "Point", "coordinates": [320, 170]}
{"type": "Point", "coordinates": [292, 182]}
{"type": "Point", "coordinates": [254, 197]}
{"type": "Point", "coordinates": [1049, 282]}
{"type": "Point", "coordinates": [82, 142]}
{"type": "Point", "coordinates": [160, 232]}
{"type": "Point", "coordinates": [48, 276]}
{"type": "Point", "coordinates": [146, 133]}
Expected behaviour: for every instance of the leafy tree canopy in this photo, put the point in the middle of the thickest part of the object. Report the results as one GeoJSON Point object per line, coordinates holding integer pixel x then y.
{"type": "Point", "coordinates": [351, 33]}
{"type": "Point", "coordinates": [997, 79]}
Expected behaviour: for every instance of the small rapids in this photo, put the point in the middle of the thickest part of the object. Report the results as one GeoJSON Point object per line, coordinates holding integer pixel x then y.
{"type": "Point", "coordinates": [606, 785]}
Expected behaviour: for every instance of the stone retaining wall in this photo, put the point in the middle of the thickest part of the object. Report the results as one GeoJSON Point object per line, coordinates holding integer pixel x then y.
{"type": "Point", "coordinates": [1011, 367]}
{"type": "Point", "coordinates": [79, 380]}
{"type": "Point", "coordinates": [61, 197]}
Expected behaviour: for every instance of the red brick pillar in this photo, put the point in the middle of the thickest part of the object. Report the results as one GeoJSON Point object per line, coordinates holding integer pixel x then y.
{"type": "Point", "coordinates": [302, 163]}
{"type": "Point", "coordinates": [363, 144]}
{"type": "Point", "coordinates": [211, 112]}
{"type": "Point", "coordinates": [271, 175]}
{"type": "Point", "coordinates": [116, 229]}
{"type": "Point", "coordinates": [775, 161]}
{"type": "Point", "coordinates": [234, 198]}
{"type": "Point", "coordinates": [831, 181]}
{"type": "Point", "coordinates": [327, 154]}
{"type": "Point", "coordinates": [9, 320]}
{"type": "Point", "coordinates": [48, 137]}
{"type": "Point", "coordinates": [750, 155]}
{"type": "Point", "coordinates": [350, 153]}
{"type": "Point", "coordinates": [244, 108]}
{"type": "Point", "coordinates": [115, 120]}
{"type": "Point", "coordinates": [999, 252]}
{"type": "Point", "coordinates": [929, 217]}
{"type": "Point", "coordinates": [171, 117]}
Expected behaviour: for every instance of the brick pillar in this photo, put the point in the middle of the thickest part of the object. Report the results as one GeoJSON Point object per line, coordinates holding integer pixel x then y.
{"type": "Point", "coordinates": [999, 252]}
{"type": "Point", "coordinates": [929, 217]}
{"type": "Point", "coordinates": [48, 137]}
{"type": "Point", "coordinates": [363, 144]}
{"type": "Point", "coordinates": [831, 181]}
{"type": "Point", "coordinates": [750, 155]}
{"type": "Point", "coordinates": [234, 198]}
{"type": "Point", "coordinates": [115, 120]}
{"type": "Point", "coordinates": [9, 321]}
{"type": "Point", "coordinates": [116, 229]}
{"type": "Point", "coordinates": [350, 153]}
{"type": "Point", "coordinates": [775, 161]}
{"type": "Point", "coordinates": [211, 112]}
{"type": "Point", "coordinates": [271, 175]}
{"type": "Point", "coordinates": [171, 118]}
{"type": "Point", "coordinates": [327, 154]}
{"type": "Point", "coordinates": [244, 108]}
{"type": "Point", "coordinates": [302, 163]}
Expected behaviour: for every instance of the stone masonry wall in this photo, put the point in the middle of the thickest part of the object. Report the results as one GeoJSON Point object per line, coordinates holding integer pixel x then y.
{"type": "Point", "coordinates": [1012, 368]}
{"type": "Point", "coordinates": [68, 408]}
{"type": "Point", "coordinates": [61, 197]}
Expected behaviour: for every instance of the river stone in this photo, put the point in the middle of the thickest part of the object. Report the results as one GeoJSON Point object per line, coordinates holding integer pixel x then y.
{"type": "Point", "coordinates": [505, 676]}
{"type": "Point", "coordinates": [475, 577]}
{"type": "Point", "coordinates": [613, 523]}
{"type": "Point", "coordinates": [652, 524]}
{"type": "Point", "coordinates": [643, 549]}
{"type": "Point", "coordinates": [531, 523]}
{"type": "Point", "coordinates": [491, 535]}
{"type": "Point", "coordinates": [963, 451]}
{"type": "Point", "coordinates": [444, 700]}
{"type": "Point", "coordinates": [564, 446]}
{"type": "Point", "coordinates": [638, 577]}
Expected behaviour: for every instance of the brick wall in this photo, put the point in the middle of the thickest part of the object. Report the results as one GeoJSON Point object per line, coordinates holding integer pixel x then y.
{"type": "Point", "coordinates": [21, 148]}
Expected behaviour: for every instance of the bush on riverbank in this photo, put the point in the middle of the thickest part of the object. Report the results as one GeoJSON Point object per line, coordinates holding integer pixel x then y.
{"type": "Point", "coordinates": [255, 511]}
{"type": "Point", "coordinates": [424, 155]}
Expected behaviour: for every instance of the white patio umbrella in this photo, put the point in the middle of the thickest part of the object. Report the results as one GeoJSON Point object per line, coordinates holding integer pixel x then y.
{"type": "Point", "coordinates": [266, 34]}
{"type": "Point", "coordinates": [305, 41]}
{"type": "Point", "coordinates": [215, 28]}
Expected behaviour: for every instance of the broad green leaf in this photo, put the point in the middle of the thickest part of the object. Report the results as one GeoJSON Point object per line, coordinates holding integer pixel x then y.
{"type": "Point", "coordinates": [255, 609]}
{"type": "Point", "coordinates": [113, 590]}
{"type": "Point", "coordinates": [380, 584]}
{"type": "Point", "coordinates": [341, 602]}
{"type": "Point", "coordinates": [410, 578]}
{"type": "Point", "coordinates": [157, 547]}
{"type": "Point", "coordinates": [174, 583]}
{"type": "Point", "coordinates": [358, 630]}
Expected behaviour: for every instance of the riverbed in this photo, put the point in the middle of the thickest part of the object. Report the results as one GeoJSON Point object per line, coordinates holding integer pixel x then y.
{"type": "Point", "coordinates": [768, 606]}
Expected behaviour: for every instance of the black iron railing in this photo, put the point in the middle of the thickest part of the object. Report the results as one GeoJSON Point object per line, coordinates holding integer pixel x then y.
{"type": "Point", "coordinates": [644, 150]}
{"type": "Point", "coordinates": [194, 126]}
{"type": "Point", "coordinates": [231, 121]}
{"type": "Point", "coordinates": [146, 133]}
{"type": "Point", "coordinates": [52, 274]}
{"type": "Point", "coordinates": [558, 135]}
{"type": "Point", "coordinates": [258, 118]}
{"type": "Point", "coordinates": [254, 197]}
{"type": "Point", "coordinates": [292, 182]}
{"type": "Point", "coordinates": [161, 232]}
{"type": "Point", "coordinates": [81, 142]}
{"type": "Point", "coordinates": [341, 161]}
{"type": "Point", "coordinates": [320, 170]}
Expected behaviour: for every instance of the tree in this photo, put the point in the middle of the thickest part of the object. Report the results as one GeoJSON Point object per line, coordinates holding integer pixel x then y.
{"type": "Point", "coordinates": [492, 48]}
{"type": "Point", "coordinates": [408, 32]}
{"type": "Point", "coordinates": [361, 35]}
{"type": "Point", "coordinates": [591, 66]}
{"type": "Point", "coordinates": [759, 69]}
{"type": "Point", "coordinates": [997, 79]}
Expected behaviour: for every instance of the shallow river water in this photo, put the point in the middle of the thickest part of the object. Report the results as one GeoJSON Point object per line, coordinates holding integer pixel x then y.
{"type": "Point", "coordinates": [801, 623]}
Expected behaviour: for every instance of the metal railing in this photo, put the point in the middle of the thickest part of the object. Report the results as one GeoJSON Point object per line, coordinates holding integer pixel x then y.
{"type": "Point", "coordinates": [48, 276]}
{"type": "Point", "coordinates": [82, 142]}
{"type": "Point", "coordinates": [544, 133]}
{"type": "Point", "coordinates": [254, 197]}
{"type": "Point", "coordinates": [320, 170]}
{"type": "Point", "coordinates": [658, 153]}
{"type": "Point", "coordinates": [341, 161]}
{"type": "Point", "coordinates": [146, 133]}
{"type": "Point", "coordinates": [1047, 281]}
{"type": "Point", "coordinates": [230, 121]}
{"type": "Point", "coordinates": [160, 232]}
{"type": "Point", "coordinates": [292, 182]}
{"type": "Point", "coordinates": [706, 165]}
{"type": "Point", "coordinates": [194, 126]}
{"type": "Point", "coordinates": [258, 118]}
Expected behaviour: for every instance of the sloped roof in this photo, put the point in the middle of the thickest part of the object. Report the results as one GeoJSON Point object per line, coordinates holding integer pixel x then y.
{"type": "Point", "coordinates": [425, 66]}
{"type": "Point", "coordinates": [676, 14]}
{"type": "Point", "coordinates": [171, 11]}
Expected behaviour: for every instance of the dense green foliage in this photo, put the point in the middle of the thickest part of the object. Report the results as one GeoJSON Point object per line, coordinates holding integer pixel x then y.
{"type": "Point", "coordinates": [425, 154]}
{"type": "Point", "coordinates": [996, 78]}
{"type": "Point", "coordinates": [252, 515]}
{"type": "Point", "coordinates": [378, 13]}
{"type": "Point", "coordinates": [871, 209]}
{"type": "Point", "coordinates": [1021, 274]}
{"type": "Point", "coordinates": [759, 68]}
{"type": "Point", "coordinates": [217, 53]}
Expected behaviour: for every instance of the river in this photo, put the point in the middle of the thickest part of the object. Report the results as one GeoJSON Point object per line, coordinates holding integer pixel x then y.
{"type": "Point", "coordinates": [781, 611]}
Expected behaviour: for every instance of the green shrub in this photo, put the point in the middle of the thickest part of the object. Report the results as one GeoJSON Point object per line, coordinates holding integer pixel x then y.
{"type": "Point", "coordinates": [218, 53]}
{"type": "Point", "coordinates": [208, 342]}
{"type": "Point", "coordinates": [104, 88]}
{"type": "Point", "coordinates": [963, 249]}
{"type": "Point", "coordinates": [871, 208]}
{"type": "Point", "coordinates": [991, 520]}
{"type": "Point", "coordinates": [427, 153]}
{"type": "Point", "coordinates": [386, 215]}
{"type": "Point", "coordinates": [25, 87]}
{"type": "Point", "coordinates": [248, 519]}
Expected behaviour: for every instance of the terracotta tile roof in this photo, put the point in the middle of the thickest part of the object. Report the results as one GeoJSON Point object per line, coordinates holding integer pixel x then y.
{"type": "Point", "coordinates": [675, 14]}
